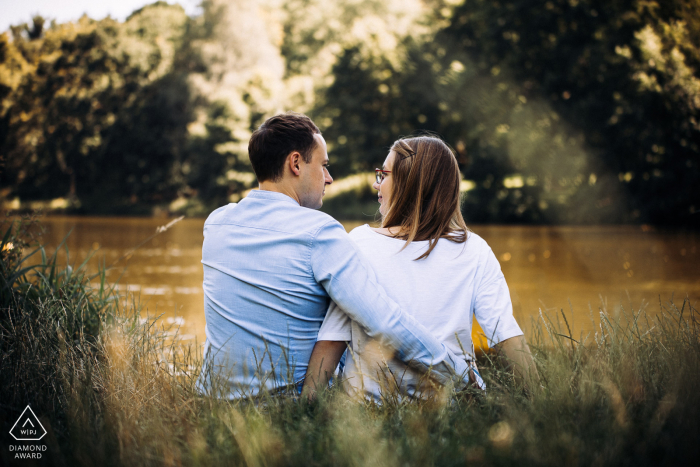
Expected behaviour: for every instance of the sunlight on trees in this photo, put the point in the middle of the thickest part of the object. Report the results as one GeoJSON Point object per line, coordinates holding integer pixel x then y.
{"type": "Point", "coordinates": [592, 105]}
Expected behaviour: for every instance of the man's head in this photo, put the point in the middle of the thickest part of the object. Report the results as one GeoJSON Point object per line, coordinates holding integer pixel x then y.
{"type": "Point", "coordinates": [289, 152]}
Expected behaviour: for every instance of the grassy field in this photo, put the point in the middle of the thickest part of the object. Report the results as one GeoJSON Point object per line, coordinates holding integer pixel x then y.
{"type": "Point", "coordinates": [114, 390]}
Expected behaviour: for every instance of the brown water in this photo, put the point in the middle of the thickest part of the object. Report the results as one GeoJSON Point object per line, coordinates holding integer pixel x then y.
{"type": "Point", "coordinates": [578, 269]}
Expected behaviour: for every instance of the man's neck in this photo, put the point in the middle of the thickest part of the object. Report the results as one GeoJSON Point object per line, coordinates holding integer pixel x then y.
{"type": "Point", "coordinates": [282, 187]}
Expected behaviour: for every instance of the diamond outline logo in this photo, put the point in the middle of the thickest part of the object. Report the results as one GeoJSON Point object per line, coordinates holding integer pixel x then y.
{"type": "Point", "coordinates": [28, 419]}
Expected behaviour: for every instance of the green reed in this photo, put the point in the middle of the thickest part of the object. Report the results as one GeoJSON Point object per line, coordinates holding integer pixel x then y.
{"type": "Point", "coordinates": [117, 390]}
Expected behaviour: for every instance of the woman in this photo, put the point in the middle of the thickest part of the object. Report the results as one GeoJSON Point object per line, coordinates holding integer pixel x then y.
{"type": "Point", "coordinates": [431, 265]}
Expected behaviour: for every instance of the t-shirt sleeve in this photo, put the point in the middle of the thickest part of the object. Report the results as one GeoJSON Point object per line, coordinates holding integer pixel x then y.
{"type": "Point", "coordinates": [337, 326]}
{"type": "Point", "coordinates": [493, 308]}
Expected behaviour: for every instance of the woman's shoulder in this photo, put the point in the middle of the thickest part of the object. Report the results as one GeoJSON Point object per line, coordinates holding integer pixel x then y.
{"type": "Point", "coordinates": [475, 238]}
{"type": "Point", "coordinates": [473, 247]}
{"type": "Point", "coordinates": [476, 242]}
{"type": "Point", "coordinates": [361, 231]}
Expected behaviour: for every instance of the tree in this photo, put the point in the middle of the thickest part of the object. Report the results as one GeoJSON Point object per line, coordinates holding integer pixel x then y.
{"type": "Point", "coordinates": [622, 72]}
{"type": "Point", "coordinates": [97, 117]}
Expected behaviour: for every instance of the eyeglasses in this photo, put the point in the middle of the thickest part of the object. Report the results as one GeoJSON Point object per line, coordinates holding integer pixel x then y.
{"type": "Point", "coordinates": [381, 175]}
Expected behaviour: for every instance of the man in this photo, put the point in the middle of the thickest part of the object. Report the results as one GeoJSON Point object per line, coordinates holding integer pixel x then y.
{"type": "Point", "coordinates": [271, 263]}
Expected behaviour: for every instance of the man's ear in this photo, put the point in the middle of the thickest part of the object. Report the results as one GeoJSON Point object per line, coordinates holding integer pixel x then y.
{"type": "Point", "coordinates": [294, 161]}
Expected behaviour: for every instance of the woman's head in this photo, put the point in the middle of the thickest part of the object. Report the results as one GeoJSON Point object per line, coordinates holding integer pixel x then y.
{"type": "Point", "coordinates": [420, 195]}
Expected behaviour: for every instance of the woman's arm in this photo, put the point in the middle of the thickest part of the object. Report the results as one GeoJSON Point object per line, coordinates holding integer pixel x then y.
{"type": "Point", "coordinates": [494, 312]}
{"type": "Point", "coordinates": [519, 359]}
{"type": "Point", "coordinates": [324, 359]}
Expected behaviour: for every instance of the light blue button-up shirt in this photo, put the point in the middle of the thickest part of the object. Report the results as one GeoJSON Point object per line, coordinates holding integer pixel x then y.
{"type": "Point", "coordinates": [270, 267]}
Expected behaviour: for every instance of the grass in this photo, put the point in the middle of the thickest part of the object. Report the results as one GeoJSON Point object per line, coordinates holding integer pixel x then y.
{"type": "Point", "coordinates": [112, 389]}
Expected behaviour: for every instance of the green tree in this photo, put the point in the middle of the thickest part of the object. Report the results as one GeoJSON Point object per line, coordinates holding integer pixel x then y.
{"type": "Point", "coordinates": [99, 117]}
{"type": "Point", "coordinates": [622, 72]}
{"type": "Point", "coordinates": [562, 111]}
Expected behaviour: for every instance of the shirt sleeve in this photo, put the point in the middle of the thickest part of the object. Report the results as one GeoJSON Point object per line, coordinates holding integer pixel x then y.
{"type": "Point", "coordinates": [351, 283]}
{"type": "Point", "coordinates": [337, 326]}
{"type": "Point", "coordinates": [493, 308]}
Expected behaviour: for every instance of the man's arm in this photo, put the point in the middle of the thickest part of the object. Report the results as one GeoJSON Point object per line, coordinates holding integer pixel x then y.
{"type": "Point", "coordinates": [351, 282]}
{"type": "Point", "coordinates": [519, 359]}
{"type": "Point", "coordinates": [324, 359]}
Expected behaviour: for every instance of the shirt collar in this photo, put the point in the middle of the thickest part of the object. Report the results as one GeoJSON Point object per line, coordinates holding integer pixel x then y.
{"type": "Point", "coordinates": [271, 195]}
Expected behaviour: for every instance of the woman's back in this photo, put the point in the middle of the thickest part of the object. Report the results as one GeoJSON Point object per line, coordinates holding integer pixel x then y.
{"type": "Point", "coordinates": [431, 266]}
{"type": "Point", "coordinates": [442, 291]}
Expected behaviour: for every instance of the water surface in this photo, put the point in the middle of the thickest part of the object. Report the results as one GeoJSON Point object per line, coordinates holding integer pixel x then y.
{"type": "Point", "coordinates": [577, 269]}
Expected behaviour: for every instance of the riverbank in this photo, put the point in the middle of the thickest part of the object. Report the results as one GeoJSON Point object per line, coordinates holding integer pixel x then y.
{"type": "Point", "coordinates": [113, 389]}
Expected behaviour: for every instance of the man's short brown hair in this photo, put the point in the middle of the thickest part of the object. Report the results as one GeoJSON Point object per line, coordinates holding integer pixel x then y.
{"type": "Point", "coordinates": [275, 139]}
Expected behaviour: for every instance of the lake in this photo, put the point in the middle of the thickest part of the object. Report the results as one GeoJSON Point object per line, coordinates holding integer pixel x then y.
{"type": "Point", "coordinates": [578, 269]}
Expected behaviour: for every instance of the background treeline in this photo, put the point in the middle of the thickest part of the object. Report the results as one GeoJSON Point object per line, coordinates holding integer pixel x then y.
{"type": "Point", "coordinates": [565, 111]}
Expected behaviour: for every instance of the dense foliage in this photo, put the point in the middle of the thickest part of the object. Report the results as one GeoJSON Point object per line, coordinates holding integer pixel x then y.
{"type": "Point", "coordinates": [565, 111]}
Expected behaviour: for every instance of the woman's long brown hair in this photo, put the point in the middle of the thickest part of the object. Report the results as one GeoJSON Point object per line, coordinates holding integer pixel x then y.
{"type": "Point", "coordinates": [424, 201]}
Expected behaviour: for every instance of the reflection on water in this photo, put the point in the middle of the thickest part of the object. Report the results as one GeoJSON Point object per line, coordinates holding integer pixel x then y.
{"type": "Point", "coordinates": [580, 269]}
{"type": "Point", "coordinates": [165, 273]}
{"type": "Point", "coordinates": [577, 269]}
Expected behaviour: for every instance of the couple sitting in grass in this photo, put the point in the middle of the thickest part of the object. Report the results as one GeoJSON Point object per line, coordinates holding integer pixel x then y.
{"type": "Point", "coordinates": [287, 291]}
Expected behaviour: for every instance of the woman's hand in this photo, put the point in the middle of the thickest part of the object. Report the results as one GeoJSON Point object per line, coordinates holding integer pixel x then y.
{"type": "Point", "coordinates": [519, 360]}
{"type": "Point", "coordinates": [322, 364]}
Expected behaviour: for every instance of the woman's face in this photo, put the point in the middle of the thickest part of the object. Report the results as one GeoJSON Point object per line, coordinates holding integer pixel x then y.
{"type": "Point", "coordinates": [384, 188]}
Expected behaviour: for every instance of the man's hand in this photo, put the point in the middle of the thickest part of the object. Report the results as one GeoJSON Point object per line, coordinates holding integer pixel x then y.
{"type": "Point", "coordinates": [324, 359]}
{"type": "Point", "coordinates": [519, 359]}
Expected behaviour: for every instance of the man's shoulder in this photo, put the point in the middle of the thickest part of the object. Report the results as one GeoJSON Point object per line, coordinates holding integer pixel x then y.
{"type": "Point", "coordinates": [318, 218]}
{"type": "Point", "coordinates": [277, 216]}
{"type": "Point", "coordinates": [217, 214]}
{"type": "Point", "coordinates": [319, 222]}
{"type": "Point", "coordinates": [312, 221]}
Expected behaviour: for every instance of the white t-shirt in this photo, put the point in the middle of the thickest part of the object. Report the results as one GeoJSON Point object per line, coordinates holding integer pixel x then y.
{"type": "Point", "coordinates": [456, 282]}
